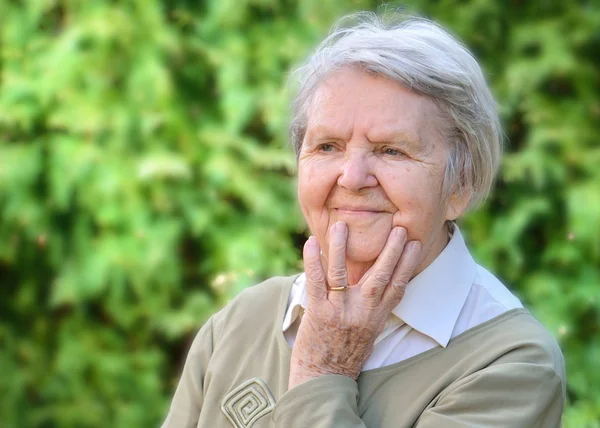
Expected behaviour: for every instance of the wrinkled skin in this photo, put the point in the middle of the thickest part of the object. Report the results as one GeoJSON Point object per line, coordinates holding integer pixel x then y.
{"type": "Point", "coordinates": [372, 163]}
{"type": "Point", "coordinates": [339, 328]}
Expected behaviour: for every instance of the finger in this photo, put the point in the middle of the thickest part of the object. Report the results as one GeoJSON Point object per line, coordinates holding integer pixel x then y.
{"type": "Point", "coordinates": [402, 274]}
{"type": "Point", "coordinates": [380, 274]}
{"type": "Point", "coordinates": [337, 275]}
{"type": "Point", "coordinates": [316, 284]}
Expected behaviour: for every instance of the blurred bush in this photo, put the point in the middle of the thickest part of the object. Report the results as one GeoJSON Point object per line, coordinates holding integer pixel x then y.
{"type": "Point", "coordinates": [145, 178]}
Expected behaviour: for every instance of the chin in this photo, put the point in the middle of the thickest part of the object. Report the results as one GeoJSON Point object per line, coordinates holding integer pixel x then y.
{"type": "Point", "coordinates": [363, 252]}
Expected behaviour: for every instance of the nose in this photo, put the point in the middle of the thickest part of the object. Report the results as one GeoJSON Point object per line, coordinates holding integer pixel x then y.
{"type": "Point", "coordinates": [357, 171]}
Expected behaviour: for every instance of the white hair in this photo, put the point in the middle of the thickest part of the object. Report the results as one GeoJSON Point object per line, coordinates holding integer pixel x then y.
{"type": "Point", "coordinates": [421, 56]}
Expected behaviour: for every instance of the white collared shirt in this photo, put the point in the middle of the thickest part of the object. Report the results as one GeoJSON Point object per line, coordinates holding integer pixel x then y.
{"type": "Point", "coordinates": [450, 296]}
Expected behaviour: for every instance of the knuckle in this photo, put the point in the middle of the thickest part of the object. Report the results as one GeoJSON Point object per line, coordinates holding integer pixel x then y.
{"type": "Point", "coordinates": [381, 278]}
{"type": "Point", "coordinates": [399, 286]}
{"type": "Point", "coordinates": [373, 292]}
{"type": "Point", "coordinates": [399, 290]}
{"type": "Point", "coordinates": [337, 274]}
{"type": "Point", "coordinates": [401, 281]}
{"type": "Point", "coordinates": [371, 295]}
{"type": "Point", "coordinates": [315, 276]}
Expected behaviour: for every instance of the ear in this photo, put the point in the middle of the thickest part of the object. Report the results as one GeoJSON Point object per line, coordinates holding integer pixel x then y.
{"type": "Point", "coordinates": [458, 203]}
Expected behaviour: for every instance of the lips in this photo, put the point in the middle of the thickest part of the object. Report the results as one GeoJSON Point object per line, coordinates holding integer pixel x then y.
{"type": "Point", "coordinates": [358, 213]}
{"type": "Point", "coordinates": [369, 204]}
{"type": "Point", "coordinates": [358, 209]}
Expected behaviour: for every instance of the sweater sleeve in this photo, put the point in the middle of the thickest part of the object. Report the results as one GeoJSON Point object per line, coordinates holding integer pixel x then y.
{"type": "Point", "coordinates": [504, 395]}
{"type": "Point", "coordinates": [189, 396]}
{"type": "Point", "coordinates": [326, 402]}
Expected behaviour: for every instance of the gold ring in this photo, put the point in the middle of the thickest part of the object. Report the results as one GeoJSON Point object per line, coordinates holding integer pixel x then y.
{"type": "Point", "coordinates": [344, 288]}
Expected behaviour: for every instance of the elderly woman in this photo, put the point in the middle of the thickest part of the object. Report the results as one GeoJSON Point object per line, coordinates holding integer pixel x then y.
{"type": "Point", "coordinates": [392, 323]}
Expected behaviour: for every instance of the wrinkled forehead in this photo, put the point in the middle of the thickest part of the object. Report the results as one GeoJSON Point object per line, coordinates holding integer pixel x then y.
{"type": "Point", "coordinates": [351, 100]}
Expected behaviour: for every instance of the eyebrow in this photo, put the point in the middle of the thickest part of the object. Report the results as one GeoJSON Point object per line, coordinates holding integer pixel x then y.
{"type": "Point", "coordinates": [322, 133]}
{"type": "Point", "coordinates": [400, 139]}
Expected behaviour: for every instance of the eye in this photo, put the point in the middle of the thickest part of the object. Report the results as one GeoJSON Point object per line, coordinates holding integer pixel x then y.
{"type": "Point", "coordinates": [392, 152]}
{"type": "Point", "coordinates": [326, 147]}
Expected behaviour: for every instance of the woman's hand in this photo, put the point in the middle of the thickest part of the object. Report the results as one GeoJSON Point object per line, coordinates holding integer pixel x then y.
{"type": "Point", "coordinates": [339, 328]}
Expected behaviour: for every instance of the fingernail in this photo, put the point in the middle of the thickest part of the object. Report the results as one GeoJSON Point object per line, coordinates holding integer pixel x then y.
{"type": "Point", "coordinates": [338, 227]}
{"type": "Point", "coordinates": [414, 245]}
{"type": "Point", "coordinates": [311, 242]}
{"type": "Point", "coordinates": [399, 231]}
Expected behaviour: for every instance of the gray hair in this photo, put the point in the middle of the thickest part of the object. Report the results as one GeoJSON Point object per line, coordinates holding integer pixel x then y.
{"type": "Point", "coordinates": [421, 56]}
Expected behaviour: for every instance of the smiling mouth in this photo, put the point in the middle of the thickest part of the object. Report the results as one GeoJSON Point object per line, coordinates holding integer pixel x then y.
{"type": "Point", "coordinates": [357, 211]}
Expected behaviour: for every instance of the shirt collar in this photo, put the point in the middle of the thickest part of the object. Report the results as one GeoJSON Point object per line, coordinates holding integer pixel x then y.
{"type": "Point", "coordinates": [433, 299]}
{"type": "Point", "coordinates": [298, 301]}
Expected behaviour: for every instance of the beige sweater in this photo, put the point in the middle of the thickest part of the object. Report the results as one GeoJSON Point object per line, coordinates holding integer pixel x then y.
{"type": "Point", "coordinates": [507, 372]}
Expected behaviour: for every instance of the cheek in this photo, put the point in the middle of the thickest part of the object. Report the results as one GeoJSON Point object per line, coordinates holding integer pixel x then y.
{"type": "Point", "coordinates": [418, 203]}
{"type": "Point", "coordinates": [314, 186]}
{"type": "Point", "coordinates": [421, 218]}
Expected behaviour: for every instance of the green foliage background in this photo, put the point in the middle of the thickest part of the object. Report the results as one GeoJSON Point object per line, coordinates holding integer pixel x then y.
{"type": "Point", "coordinates": [145, 178]}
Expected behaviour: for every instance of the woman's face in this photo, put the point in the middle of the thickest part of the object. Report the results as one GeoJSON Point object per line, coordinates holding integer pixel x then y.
{"type": "Point", "coordinates": [373, 157]}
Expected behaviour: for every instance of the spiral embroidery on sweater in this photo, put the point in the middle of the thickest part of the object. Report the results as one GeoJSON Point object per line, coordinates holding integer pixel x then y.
{"type": "Point", "coordinates": [247, 403]}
